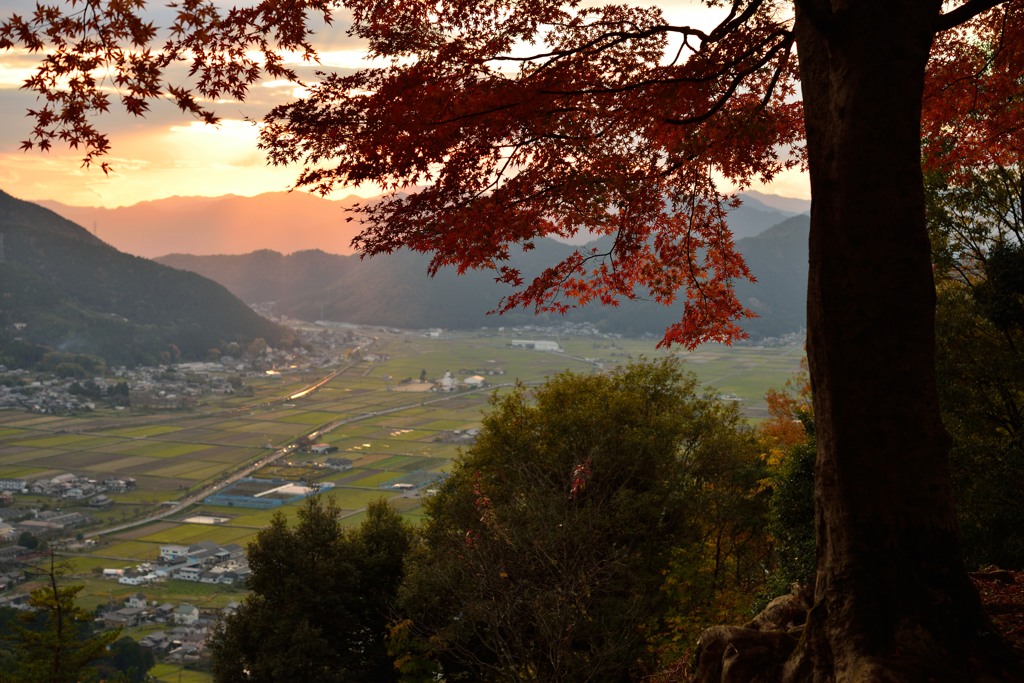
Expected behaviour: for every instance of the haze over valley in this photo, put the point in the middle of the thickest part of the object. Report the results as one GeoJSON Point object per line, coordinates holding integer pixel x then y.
{"type": "Point", "coordinates": [293, 249]}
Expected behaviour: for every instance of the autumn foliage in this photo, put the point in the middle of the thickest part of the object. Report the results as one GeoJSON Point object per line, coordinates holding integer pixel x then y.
{"type": "Point", "coordinates": [496, 123]}
{"type": "Point", "coordinates": [511, 121]}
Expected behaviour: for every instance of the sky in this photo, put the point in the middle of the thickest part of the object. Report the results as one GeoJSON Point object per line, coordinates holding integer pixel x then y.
{"type": "Point", "coordinates": [168, 154]}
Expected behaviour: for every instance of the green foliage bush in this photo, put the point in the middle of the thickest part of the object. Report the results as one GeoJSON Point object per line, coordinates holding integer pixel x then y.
{"type": "Point", "coordinates": [546, 554]}
{"type": "Point", "coordinates": [977, 232]}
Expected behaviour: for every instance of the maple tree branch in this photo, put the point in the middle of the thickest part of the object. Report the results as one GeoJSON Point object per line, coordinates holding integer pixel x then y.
{"type": "Point", "coordinates": [965, 13]}
{"type": "Point", "coordinates": [784, 46]}
{"type": "Point", "coordinates": [732, 22]}
{"type": "Point", "coordinates": [604, 42]}
{"type": "Point", "coordinates": [786, 42]}
{"type": "Point", "coordinates": [475, 114]}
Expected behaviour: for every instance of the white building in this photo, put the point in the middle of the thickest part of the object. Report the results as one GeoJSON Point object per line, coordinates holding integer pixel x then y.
{"type": "Point", "coordinates": [169, 553]}
{"type": "Point", "coordinates": [186, 615]}
{"type": "Point", "coordinates": [537, 345]}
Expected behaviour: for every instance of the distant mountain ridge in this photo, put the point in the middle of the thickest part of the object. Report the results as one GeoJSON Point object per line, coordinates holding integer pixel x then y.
{"type": "Point", "coordinates": [289, 222]}
{"type": "Point", "coordinates": [63, 289]}
{"type": "Point", "coordinates": [395, 290]}
{"type": "Point", "coordinates": [282, 221]}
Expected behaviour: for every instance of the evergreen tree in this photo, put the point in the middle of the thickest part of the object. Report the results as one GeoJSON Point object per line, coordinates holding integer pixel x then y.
{"type": "Point", "coordinates": [61, 649]}
{"type": "Point", "coordinates": [321, 600]}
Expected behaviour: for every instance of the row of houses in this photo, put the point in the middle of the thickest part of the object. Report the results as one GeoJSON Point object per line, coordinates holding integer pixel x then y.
{"type": "Point", "coordinates": [188, 626]}
{"type": "Point", "coordinates": [50, 523]}
{"type": "Point", "coordinates": [138, 612]}
{"type": "Point", "coordinates": [205, 562]}
{"type": "Point", "coordinates": [68, 485]}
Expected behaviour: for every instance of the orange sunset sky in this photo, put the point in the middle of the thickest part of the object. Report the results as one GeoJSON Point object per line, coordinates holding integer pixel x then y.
{"type": "Point", "coordinates": [167, 154]}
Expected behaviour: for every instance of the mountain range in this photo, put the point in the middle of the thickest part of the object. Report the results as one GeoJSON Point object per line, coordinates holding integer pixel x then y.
{"type": "Point", "coordinates": [394, 289]}
{"type": "Point", "coordinates": [64, 289]}
{"type": "Point", "coordinates": [288, 222]}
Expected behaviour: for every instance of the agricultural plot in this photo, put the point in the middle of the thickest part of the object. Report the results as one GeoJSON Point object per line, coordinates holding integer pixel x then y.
{"type": "Point", "coordinates": [187, 534]}
{"type": "Point", "coordinates": [22, 472]}
{"type": "Point", "coordinates": [128, 551]}
{"type": "Point", "coordinates": [175, 673]}
{"type": "Point", "coordinates": [311, 418]}
{"type": "Point", "coordinates": [372, 479]}
{"type": "Point", "coordinates": [189, 470]}
{"type": "Point", "coordinates": [17, 454]}
{"type": "Point", "coordinates": [167, 449]}
{"type": "Point", "coordinates": [64, 441]}
{"type": "Point", "coordinates": [399, 462]}
{"type": "Point", "coordinates": [32, 420]}
{"type": "Point", "coordinates": [144, 431]}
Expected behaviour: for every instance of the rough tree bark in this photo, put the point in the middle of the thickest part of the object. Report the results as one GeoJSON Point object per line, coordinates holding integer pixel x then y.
{"type": "Point", "coordinates": [892, 599]}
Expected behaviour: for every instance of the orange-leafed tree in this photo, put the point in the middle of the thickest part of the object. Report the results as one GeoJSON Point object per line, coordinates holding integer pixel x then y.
{"type": "Point", "coordinates": [496, 122]}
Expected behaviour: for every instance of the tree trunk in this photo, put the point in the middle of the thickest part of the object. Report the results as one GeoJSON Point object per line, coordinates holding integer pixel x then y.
{"type": "Point", "coordinates": [892, 599]}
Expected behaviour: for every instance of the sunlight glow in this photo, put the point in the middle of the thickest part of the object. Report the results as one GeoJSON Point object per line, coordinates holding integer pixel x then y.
{"type": "Point", "coordinates": [164, 155]}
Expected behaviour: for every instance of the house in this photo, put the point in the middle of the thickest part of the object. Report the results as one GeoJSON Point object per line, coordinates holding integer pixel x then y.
{"type": "Point", "coordinates": [186, 615]}
{"type": "Point", "coordinates": [134, 579]}
{"type": "Point", "coordinates": [190, 572]}
{"type": "Point", "coordinates": [38, 527]}
{"type": "Point", "coordinates": [235, 576]}
{"type": "Point", "coordinates": [11, 578]}
{"type": "Point", "coordinates": [127, 616]}
{"type": "Point", "coordinates": [136, 600]}
{"type": "Point", "coordinates": [340, 464]}
{"type": "Point", "coordinates": [322, 448]}
{"type": "Point", "coordinates": [233, 550]}
{"type": "Point", "coordinates": [446, 383]}
{"type": "Point", "coordinates": [537, 345]}
{"type": "Point", "coordinates": [157, 641]}
{"type": "Point", "coordinates": [203, 552]}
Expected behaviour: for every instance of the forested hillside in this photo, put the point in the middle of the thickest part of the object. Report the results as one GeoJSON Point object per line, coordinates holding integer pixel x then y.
{"type": "Point", "coordinates": [65, 290]}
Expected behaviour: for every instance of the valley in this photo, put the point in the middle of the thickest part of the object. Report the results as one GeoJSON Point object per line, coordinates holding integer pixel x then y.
{"type": "Point", "coordinates": [382, 432]}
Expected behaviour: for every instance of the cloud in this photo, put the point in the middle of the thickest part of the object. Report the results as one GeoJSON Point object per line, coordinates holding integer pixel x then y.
{"type": "Point", "coordinates": [189, 159]}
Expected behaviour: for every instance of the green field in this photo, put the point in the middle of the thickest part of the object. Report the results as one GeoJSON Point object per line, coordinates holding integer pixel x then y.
{"type": "Point", "coordinates": [173, 673]}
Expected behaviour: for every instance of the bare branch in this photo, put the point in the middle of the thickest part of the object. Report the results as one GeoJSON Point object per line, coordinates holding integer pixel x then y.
{"type": "Point", "coordinates": [965, 13]}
